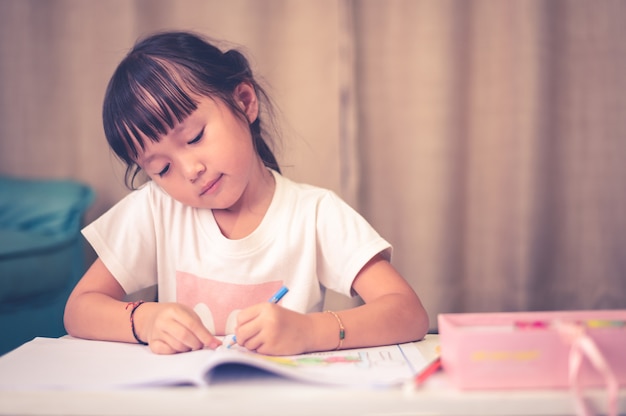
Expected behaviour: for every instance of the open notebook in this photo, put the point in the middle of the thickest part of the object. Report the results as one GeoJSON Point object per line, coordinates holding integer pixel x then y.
{"type": "Point", "coordinates": [70, 363]}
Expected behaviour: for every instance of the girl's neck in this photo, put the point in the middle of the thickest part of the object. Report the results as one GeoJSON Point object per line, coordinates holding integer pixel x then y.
{"type": "Point", "coordinates": [244, 217]}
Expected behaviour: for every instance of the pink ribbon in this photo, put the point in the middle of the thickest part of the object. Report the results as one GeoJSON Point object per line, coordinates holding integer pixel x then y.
{"type": "Point", "coordinates": [582, 345]}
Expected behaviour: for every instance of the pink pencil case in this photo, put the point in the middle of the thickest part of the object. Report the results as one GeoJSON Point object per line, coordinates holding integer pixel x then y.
{"type": "Point", "coordinates": [537, 350]}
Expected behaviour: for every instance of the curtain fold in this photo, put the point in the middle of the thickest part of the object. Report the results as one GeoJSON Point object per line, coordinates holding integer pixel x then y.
{"type": "Point", "coordinates": [483, 138]}
{"type": "Point", "coordinates": [492, 137]}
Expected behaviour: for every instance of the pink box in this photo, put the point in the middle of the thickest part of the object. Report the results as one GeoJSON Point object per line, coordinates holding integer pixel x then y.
{"type": "Point", "coordinates": [515, 350]}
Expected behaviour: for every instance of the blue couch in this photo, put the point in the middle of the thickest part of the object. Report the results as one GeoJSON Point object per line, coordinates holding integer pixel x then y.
{"type": "Point", "coordinates": [41, 255]}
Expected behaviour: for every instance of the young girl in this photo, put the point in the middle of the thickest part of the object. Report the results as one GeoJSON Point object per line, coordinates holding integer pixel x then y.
{"type": "Point", "coordinates": [218, 229]}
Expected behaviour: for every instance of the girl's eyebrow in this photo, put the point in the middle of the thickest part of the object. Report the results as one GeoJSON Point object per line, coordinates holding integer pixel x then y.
{"type": "Point", "coordinates": [142, 160]}
{"type": "Point", "coordinates": [145, 161]}
{"type": "Point", "coordinates": [177, 128]}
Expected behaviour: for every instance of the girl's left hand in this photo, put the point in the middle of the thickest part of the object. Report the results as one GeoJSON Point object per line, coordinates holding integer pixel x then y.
{"type": "Point", "coordinates": [270, 329]}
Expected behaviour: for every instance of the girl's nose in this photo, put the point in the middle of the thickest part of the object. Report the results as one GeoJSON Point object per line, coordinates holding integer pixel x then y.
{"type": "Point", "coordinates": [193, 169]}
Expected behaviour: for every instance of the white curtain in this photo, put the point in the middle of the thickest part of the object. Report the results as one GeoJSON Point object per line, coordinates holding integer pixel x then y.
{"type": "Point", "coordinates": [493, 139]}
{"type": "Point", "coordinates": [483, 138]}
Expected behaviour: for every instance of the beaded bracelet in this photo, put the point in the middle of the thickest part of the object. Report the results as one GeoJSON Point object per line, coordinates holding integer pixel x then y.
{"type": "Point", "coordinates": [342, 330]}
{"type": "Point", "coordinates": [135, 305]}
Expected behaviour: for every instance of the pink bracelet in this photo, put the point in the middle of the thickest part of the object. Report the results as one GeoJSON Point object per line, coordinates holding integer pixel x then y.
{"type": "Point", "coordinates": [135, 305]}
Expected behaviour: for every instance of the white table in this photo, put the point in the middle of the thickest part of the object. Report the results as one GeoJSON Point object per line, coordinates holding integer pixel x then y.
{"type": "Point", "coordinates": [279, 397]}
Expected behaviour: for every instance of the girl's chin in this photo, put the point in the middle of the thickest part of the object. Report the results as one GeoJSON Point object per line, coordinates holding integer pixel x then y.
{"type": "Point", "coordinates": [219, 206]}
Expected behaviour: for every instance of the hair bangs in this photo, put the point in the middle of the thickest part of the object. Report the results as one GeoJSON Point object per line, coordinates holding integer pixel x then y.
{"type": "Point", "coordinates": [153, 102]}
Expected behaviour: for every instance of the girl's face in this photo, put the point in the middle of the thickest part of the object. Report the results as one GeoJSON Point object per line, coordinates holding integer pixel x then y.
{"type": "Point", "coordinates": [208, 160]}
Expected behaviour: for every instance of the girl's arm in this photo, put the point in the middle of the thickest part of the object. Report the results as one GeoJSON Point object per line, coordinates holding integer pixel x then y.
{"type": "Point", "coordinates": [96, 310]}
{"type": "Point", "coordinates": [392, 314]}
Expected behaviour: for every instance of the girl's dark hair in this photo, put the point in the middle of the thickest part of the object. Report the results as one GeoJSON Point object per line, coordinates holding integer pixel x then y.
{"type": "Point", "coordinates": [154, 86]}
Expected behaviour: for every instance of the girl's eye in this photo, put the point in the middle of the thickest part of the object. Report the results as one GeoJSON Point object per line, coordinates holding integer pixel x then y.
{"type": "Point", "coordinates": [197, 138]}
{"type": "Point", "coordinates": [164, 171]}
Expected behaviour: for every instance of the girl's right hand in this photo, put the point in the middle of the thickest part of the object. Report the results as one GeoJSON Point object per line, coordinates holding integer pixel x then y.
{"type": "Point", "coordinates": [170, 328]}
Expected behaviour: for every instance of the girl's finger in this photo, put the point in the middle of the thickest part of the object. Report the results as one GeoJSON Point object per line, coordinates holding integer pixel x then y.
{"type": "Point", "coordinates": [204, 337]}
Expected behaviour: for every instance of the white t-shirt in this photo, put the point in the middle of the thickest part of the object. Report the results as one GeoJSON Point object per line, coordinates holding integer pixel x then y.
{"type": "Point", "coordinates": [309, 240]}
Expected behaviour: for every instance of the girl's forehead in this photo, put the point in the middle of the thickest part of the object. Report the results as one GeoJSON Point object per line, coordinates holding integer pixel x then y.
{"type": "Point", "coordinates": [178, 126]}
{"type": "Point", "coordinates": [158, 120]}
{"type": "Point", "coordinates": [159, 115]}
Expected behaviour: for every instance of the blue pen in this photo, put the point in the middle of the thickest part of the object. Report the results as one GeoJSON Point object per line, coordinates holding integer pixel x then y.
{"type": "Point", "coordinates": [278, 295]}
{"type": "Point", "coordinates": [274, 299]}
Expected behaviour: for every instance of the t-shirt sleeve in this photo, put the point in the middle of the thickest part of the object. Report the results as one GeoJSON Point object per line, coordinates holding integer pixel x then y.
{"type": "Point", "coordinates": [346, 242]}
{"type": "Point", "coordinates": [124, 239]}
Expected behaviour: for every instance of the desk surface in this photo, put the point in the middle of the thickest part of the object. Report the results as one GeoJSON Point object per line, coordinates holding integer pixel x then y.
{"type": "Point", "coordinates": [272, 396]}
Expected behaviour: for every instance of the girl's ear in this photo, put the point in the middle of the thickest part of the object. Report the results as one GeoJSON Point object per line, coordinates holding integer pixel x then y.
{"type": "Point", "coordinates": [246, 98]}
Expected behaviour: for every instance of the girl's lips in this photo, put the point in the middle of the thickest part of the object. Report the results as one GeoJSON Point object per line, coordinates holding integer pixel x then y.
{"type": "Point", "coordinates": [210, 186]}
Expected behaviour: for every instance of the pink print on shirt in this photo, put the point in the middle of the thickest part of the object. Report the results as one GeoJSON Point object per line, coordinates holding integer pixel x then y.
{"type": "Point", "coordinates": [217, 303]}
